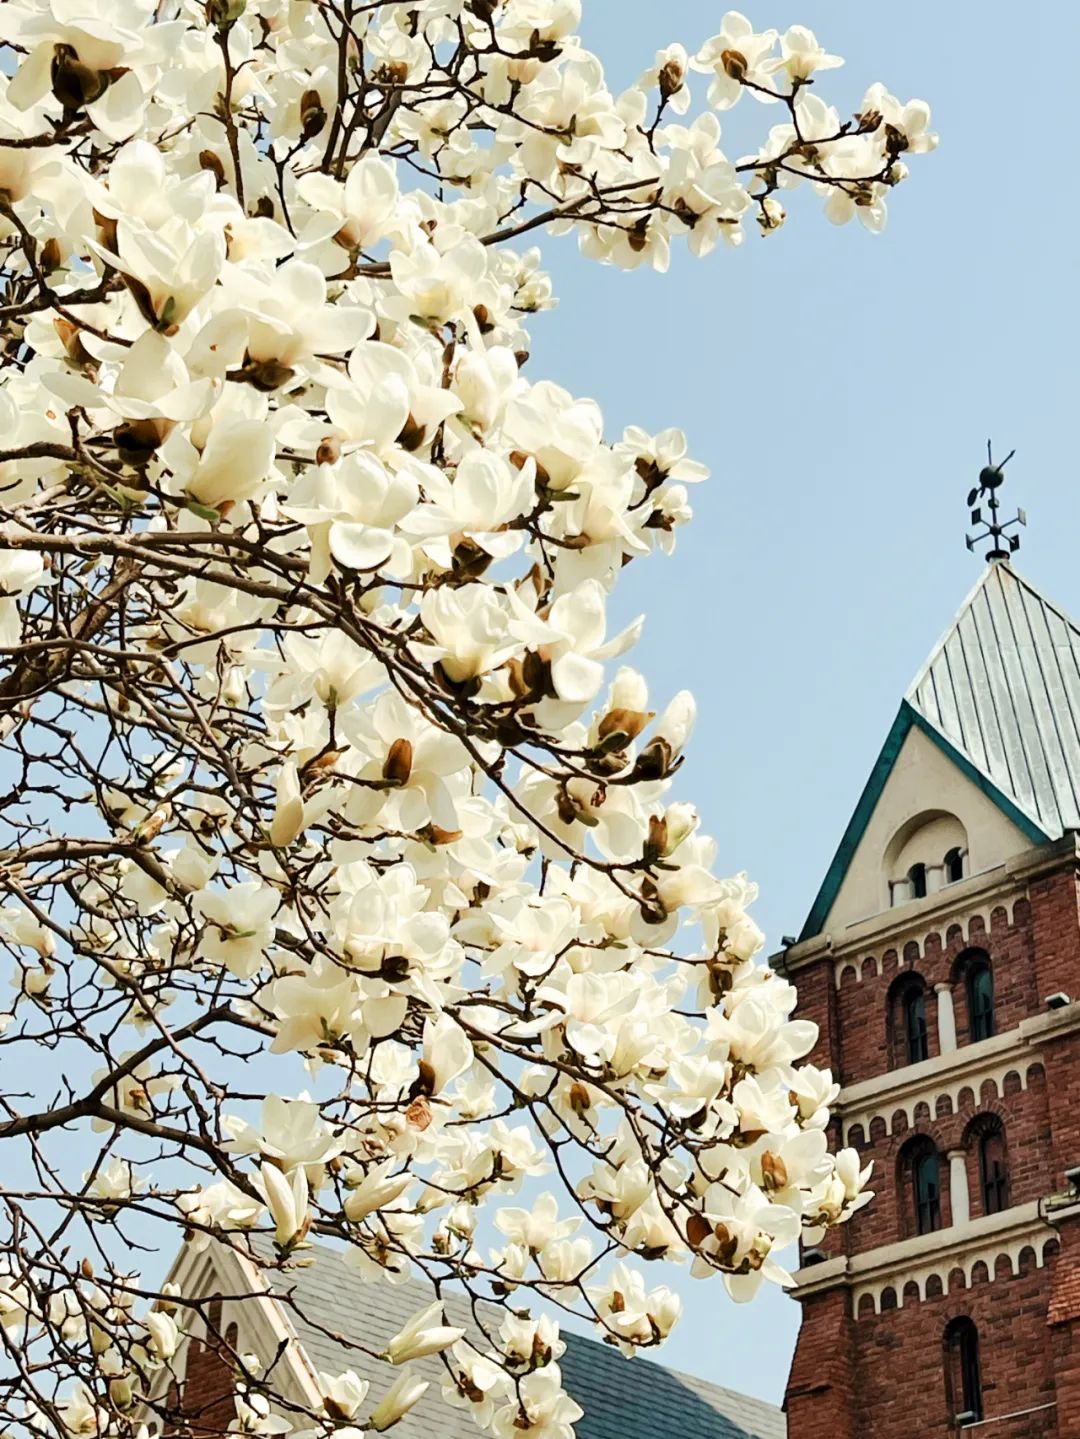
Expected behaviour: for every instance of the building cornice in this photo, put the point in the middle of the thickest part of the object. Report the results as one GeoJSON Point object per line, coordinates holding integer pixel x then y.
{"type": "Point", "coordinates": [895, 928]}
{"type": "Point", "coordinates": [985, 1240]}
{"type": "Point", "coordinates": [1017, 1051]}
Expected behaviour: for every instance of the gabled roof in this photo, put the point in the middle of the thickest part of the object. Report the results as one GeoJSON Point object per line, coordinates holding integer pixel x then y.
{"type": "Point", "coordinates": [1003, 686]}
{"type": "Point", "coordinates": [1000, 696]}
{"type": "Point", "coordinates": [622, 1398]}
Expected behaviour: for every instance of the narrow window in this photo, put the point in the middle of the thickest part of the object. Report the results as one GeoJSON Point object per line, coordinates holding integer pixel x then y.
{"type": "Point", "coordinates": [926, 1191]}
{"type": "Point", "coordinates": [954, 866]}
{"type": "Point", "coordinates": [962, 1372]}
{"type": "Point", "coordinates": [916, 1034]}
{"type": "Point", "coordinates": [980, 998]}
{"type": "Point", "coordinates": [917, 876]}
{"type": "Point", "coordinates": [993, 1170]}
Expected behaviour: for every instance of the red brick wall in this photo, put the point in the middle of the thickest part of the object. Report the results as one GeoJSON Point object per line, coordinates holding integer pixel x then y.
{"type": "Point", "coordinates": [205, 1398]}
{"type": "Point", "coordinates": [883, 1375]}
{"type": "Point", "coordinates": [1025, 1117]}
{"type": "Point", "coordinates": [861, 1007]}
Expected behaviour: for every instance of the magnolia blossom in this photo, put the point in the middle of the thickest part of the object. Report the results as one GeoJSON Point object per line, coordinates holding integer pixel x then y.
{"type": "Point", "coordinates": [346, 896]}
{"type": "Point", "coordinates": [422, 1335]}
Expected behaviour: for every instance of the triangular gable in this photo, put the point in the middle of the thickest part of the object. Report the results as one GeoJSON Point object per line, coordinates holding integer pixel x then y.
{"type": "Point", "coordinates": [907, 719]}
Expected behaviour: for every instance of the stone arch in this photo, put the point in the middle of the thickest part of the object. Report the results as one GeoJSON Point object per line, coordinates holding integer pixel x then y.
{"type": "Point", "coordinates": [914, 858]}
{"type": "Point", "coordinates": [1027, 1260]}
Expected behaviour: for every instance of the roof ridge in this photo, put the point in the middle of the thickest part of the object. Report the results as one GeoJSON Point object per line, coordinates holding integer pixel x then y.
{"type": "Point", "coordinates": [1043, 598]}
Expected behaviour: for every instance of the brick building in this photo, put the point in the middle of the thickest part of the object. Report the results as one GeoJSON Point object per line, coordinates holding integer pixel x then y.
{"type": "Point", "coordinates": [941, 961]}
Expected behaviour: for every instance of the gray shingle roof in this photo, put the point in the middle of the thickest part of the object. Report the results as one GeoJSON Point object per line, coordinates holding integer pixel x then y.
{"type": "Point", "coordinates": [1003, 687]}
{"type": "Point", "coordinates": [622, 1398]}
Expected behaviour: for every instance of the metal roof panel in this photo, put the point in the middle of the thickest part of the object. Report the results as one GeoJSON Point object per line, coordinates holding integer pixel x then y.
{"type": "Point", "coordinates": [1002, 685]}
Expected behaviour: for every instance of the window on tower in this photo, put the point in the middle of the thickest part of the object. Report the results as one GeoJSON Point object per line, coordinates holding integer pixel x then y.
{"type": "Point", "coordinates": [993, 1167]}
{"type": "Point", "coordinates": [920, 1171]}
{"type": "Point", "coordinates": [979, 983]}
{"type": "Point", "coordinates": [954, 865]}
{"type": "Point", "coordinates": [962, 1375]}
{"type": "Point", "coordinates": [908, 1028]}
{"type": "Point", "coordinates": [927, 1190]}
{"type": "Point", "coordinates": [916, 1034]}
{"type": "Point", "coordinates": [917, 879]}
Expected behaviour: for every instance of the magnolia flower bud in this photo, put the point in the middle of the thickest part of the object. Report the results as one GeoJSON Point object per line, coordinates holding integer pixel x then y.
{"type": "Point", "coordinates": [671, 77]}
{"type": "Point", "coordinates": [375, 1191]}
{"type": "Point", "coordinates": [676, 724]}
{"type": "Point", "coordinates": [164, 1334]}
{"type": "Point", "coordinates": [122, 1392]}
{"type": "Point", "coordinates": [405, 1391]}
{"type": "Point", "coordinates": [422, 1335]}
{"type": "Point", "coordinates": [288, 819]}
{"type": "Point", "coordinates": [288, 1203]}
{"type": "Point", "coordinates": [397, 767]}
{"type": "Point", "coordinates": [735, 64]}
{"type": "Point", "coordinates": [774, 1173]}
{"type": "Point", "coordinates": [681, 821]}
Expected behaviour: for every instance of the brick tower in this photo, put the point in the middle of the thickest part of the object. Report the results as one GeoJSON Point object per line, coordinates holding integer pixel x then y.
{"type": "Point", "coordinates": [941, 961]}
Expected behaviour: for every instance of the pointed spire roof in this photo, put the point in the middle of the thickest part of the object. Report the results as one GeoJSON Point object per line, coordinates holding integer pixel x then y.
{"type": "Point", "coordinates": [1002, 687]}
{"type": "Point", "coordinates": [1000, 696]}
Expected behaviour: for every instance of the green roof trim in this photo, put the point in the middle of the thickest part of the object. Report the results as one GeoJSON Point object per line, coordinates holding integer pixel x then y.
{"type": "Point", "coordinates": [907, 718]}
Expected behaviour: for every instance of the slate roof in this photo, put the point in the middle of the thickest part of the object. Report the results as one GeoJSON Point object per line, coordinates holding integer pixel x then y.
{"type": "Point", "coordinates": [622, 1398]}
{"type": "Point", "coordinates": [1003, 687]}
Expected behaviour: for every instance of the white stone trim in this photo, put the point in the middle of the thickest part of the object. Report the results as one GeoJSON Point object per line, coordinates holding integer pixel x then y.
{"type": "Point", "coordinates": [893, 1266]}
{"type": "Point", "coordinates": [946, 1018]}
{"type": "Point", "coordinates": [263, 1324]}
{"type": "Point", "coordinates": [1017, 1051]}
{"type": "Point", "coordinates": [959, 1193]}
{"type": "Point", "coordinates": [894, 928]}
{"type": "Point", "coordinates": [919, 929]}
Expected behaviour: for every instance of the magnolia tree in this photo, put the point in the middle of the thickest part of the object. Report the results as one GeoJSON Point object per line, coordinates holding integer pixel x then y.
{"type": "Point", "coordinates": [343, 893]}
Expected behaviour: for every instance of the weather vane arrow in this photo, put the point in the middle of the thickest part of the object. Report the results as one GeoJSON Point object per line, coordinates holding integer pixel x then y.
{"type": "Point", "coordinates": [991, 478]}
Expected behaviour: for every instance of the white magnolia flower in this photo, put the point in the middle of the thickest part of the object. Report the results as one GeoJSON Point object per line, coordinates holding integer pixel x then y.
{"type": "Point", "coordinates": [403, 1395]}
{"type": "Point", "coordinates": [423, 1334]}
{"type": "Point", "coordinates": [305, 585]}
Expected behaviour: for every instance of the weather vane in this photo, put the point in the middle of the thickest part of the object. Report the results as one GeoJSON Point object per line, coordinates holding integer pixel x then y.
{"type": "Point", "coordinates": [991, 478]}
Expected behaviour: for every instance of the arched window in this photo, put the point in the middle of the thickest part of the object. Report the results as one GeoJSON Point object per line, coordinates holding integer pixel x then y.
{"type": "Point", "coordinates": [954, 866]}
{"type": "Point", "coordinates": [916, 1034]}
{"type": "Point", "coordinates": [993, 1168]}
{"type": "Point", "coordinates": [919, 1176]}
{"type": "Point", "coordinates": [908, 1031]}
{"type": "Point", "coordinates": [926, 1190]}
{"type": "Point", "coordinates": [962, 1377]}
{"type": "Point", "coordinates": [979, 982]}
{"type": "Point", "coordinates": [917, 876]}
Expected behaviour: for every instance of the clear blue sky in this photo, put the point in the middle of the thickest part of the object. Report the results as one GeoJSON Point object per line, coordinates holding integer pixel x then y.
{"type": "Point", "coordinates": [841, 387]}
